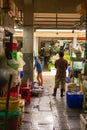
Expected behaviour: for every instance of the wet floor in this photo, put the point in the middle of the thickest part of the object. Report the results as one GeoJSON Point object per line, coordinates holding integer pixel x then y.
{"type": "Point", "coordinates": [48, 113]}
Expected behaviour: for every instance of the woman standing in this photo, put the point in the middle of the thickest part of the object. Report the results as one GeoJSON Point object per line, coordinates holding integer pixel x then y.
{"type": "Point", "coordinates": [38, 67]}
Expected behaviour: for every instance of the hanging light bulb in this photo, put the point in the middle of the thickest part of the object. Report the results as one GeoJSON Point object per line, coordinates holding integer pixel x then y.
{"type": "Point", "coordinates": [73, 31]}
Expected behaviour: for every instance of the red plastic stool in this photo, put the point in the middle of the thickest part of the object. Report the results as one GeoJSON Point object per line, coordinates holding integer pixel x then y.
{"type": "Point", "coordinates": [25, 93]}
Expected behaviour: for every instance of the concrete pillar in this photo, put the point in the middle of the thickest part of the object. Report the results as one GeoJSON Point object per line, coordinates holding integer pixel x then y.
{"type": "Point", "coordinates": [28, 40]}
{"type": "Point", "coordinates": [74, 42]}
{"type": "Point", "coordinates": [35, 46]}
{"type": "Point", "coordinates": [39, 44]}
{"type": "Point", "coordinates": [86, 37]}
{"type": "Point", "coordinates": [85, 67]}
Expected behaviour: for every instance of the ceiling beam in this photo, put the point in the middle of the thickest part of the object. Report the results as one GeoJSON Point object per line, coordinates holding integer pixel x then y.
{"type": "Point", "coordinates": [56, 6]}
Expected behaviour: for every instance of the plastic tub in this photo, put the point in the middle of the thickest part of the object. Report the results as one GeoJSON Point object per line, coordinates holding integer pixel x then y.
{"type": "Point", "coordinates": [13, 103]}
{"type": "Point", "coordinates": [74, 100]}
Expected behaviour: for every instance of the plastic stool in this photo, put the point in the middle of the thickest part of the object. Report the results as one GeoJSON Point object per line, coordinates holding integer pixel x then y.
{"type": "Point", "coordinates": [25, 93]}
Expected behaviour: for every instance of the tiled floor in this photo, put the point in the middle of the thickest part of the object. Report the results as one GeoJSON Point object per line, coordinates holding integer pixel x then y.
{"type": "Point", "coordinates": [48, 113]}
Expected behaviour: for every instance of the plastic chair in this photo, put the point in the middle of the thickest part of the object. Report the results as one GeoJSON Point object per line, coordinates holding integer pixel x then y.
{"type": "Point", "coordinates": [25, 93]}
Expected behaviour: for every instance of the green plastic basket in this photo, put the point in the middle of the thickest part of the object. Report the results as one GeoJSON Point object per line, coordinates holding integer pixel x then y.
{"type": "Point", "coordinates": [11, 114]}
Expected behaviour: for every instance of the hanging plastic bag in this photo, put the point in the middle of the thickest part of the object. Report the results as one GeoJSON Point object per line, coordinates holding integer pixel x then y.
{"type": "Point", "coordinates": [13, 64]}
{"type": "Point", "coordinates": [20, 59]}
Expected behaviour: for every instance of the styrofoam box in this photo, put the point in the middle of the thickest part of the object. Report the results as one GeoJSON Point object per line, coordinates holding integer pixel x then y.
{"type": "Point", "coordinates": [83, 121]}
{"type": "Point", "coordinates": [72, 86]}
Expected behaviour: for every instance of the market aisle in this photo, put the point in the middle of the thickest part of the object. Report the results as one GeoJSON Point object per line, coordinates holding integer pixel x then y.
{"type": "Point", "coordinates": [48, 113]}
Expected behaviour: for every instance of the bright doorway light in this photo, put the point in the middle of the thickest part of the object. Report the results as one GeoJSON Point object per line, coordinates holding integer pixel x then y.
{"type": "Point", "coordinates": [56, 30]}
{"type": "Point", "coordinates": [18, 30]}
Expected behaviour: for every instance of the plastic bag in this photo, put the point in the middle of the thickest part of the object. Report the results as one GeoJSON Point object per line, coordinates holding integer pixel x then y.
{"type": "Point", "coordinates": [13, 64]}
{"type": "Point", "coordinates": [20, 59]}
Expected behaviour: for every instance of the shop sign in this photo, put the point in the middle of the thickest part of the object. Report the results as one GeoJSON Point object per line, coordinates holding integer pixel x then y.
{"type": "Point", "coordinates": [81, 38]}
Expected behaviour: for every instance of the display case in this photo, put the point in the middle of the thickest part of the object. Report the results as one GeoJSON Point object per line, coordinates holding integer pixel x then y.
{"type": "Point", "coordinates": [77, 62]}
{"type": "Point", "coordinates": [77, 65]}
